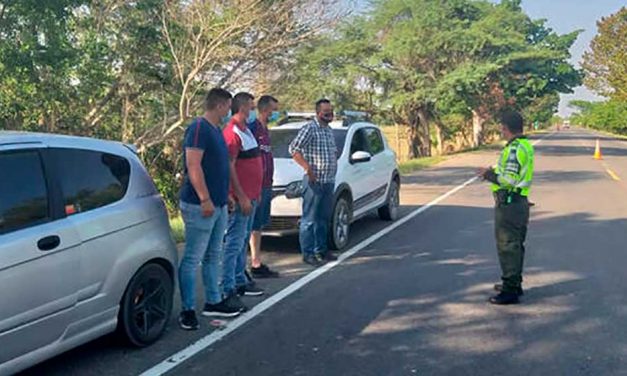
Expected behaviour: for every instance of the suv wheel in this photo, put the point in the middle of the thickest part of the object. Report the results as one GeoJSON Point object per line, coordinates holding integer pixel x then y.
{"type": "Point", "coordinates": [146, 306]}
{"type": "Point", "coordinates": [389, 212]}
{"type": "Point", "coordinates": [340, 224]}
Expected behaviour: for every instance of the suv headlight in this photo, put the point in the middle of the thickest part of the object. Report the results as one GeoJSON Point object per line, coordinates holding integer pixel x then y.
{"type": "Point", "coordinates": [294, 189]}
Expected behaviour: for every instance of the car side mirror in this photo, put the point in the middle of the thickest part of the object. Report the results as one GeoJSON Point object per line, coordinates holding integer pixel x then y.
{"type": "Point", "coordinates": [360, 157]}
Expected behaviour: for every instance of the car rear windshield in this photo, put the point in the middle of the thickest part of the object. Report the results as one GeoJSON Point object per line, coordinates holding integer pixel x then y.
{"type": "Point", "coordinates": [281, 139]}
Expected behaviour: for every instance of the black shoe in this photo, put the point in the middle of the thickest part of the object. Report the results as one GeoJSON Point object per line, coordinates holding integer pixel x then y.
{"type": "Point", "coordinates": [499, 287]}
{"type": "Point", "coordinates": [505, 298]}
{"type": "Point", "coordinates": [188, 320]}
{"type": "Point", "coordinates": [250, 289]}
{"type": "Point", "coordinates": [263, 272]}
{"type": "Point", "coordinates": [220, 310]}
{"type": "Point", "coordinates": [234, 302]}
{"type": "Point", "coordinates": [313, 260]}
{"type": "Point", "coordinates": [328, 256]}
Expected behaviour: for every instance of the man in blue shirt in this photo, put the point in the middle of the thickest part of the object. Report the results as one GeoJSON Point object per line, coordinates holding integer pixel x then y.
{"type": "Point", "coordinates": [204, 202]}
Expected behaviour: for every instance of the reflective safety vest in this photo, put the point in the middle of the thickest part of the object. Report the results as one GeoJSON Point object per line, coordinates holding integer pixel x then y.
{"type": "Point", "coordinates": [515, 168]}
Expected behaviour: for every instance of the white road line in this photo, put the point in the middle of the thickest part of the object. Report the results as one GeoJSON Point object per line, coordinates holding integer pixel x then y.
{"type": "Point", "coordinates": [193, 349]}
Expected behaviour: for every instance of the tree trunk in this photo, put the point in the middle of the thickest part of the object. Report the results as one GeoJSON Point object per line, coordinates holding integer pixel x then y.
{"type": "Point", "coordinates": [439, 148]}
{"type": "Point", "coordinates": [425, 134]}
{"type": "Point", "coordinates": [127, 131]}
{"type": "Point", "coordinates": [413, 142]}
{"type": "Point", "coordinates": [477, 129]}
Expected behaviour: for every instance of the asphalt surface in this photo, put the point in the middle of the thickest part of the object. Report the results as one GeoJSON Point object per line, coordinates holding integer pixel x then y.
{"type": "Point", "coordinates": [414, 301]}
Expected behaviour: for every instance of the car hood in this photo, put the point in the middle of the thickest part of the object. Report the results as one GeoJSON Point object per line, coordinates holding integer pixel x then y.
{"type": "Point", "coordinates": [286, 171]}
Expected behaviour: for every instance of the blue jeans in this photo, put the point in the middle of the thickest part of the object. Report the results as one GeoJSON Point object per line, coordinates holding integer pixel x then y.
{"type": "Point", "coordinates": [203, 244]}
{"type": "Point", "coordinates": [314, 224]}
{"type": "Point", "coordinates": [235, 249]}
{"type": "Point", "coordinates": [262, 213]}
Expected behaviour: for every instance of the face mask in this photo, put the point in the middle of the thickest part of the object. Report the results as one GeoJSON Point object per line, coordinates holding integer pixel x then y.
{"type": "Point", "coordinates": [252, 116]}
{"type": "Point", "coordinates": [274, 116]}
{"type": "Point", "coordinates": [225, 119]}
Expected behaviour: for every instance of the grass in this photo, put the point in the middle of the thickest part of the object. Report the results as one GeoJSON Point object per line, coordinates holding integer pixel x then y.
{"type": "Point", "coordinates": [178, 229]}
{"type": "Point", "coordinates": [418, 164]}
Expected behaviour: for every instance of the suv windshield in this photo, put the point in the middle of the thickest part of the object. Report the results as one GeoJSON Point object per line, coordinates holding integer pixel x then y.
{"type": "Point", "coordinates": [281, 139]}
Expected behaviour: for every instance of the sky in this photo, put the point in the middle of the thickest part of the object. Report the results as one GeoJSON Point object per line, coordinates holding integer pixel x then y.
{"type": "Point", "coordinates": [565, 16]}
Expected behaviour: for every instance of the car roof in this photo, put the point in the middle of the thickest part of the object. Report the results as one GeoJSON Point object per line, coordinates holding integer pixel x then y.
{"type": "Point", "coordinates": [334, 125]}
{"type": "Point", "coordinates": [56, 140]}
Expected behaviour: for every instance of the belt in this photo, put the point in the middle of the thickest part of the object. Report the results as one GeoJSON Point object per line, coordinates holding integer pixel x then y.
{"type": "Point", "coordinates": [503, 197]}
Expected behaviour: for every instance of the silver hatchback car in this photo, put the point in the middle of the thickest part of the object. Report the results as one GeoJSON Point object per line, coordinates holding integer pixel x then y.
{"type": "Point", "coordinates": [85, 247]}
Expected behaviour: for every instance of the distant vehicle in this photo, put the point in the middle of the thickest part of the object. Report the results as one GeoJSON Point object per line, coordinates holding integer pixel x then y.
{"type": "Point", "coordinates": [85, 247]}
{"type": "Point", "coordinates": [566, 124]}
{"type": "Point", "coordinates": [367, 178]}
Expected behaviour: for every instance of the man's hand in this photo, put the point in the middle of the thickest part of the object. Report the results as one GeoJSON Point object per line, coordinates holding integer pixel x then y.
{"type": "Point", "coordinates": [245, 206]}
{"type": "Point", "coordinates": [311, 175]}
{"type": "Point", "coordinates": [207, 208]}
{"type": "Point", "coordinates": [231, 204]}
{"type": "Point", "coordinates": [481, 172]}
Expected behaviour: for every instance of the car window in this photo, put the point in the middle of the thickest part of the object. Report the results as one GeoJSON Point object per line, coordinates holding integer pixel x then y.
{"type": "Point", "coordinates": [375, 140]}
{"type": "Point", "coordinates": [359, 141]}
{"type": "Point", "coordinates": [23, 192]}
{"type": "Point", "coordinates": [281, 139]}
{"type": "Point", "coordinates": [90, 179]}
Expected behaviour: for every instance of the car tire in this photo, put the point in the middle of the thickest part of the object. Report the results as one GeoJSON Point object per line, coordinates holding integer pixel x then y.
{"type": "Point", "coordinates": [389, 212]}
{"type": "Point", "coordinates": [146, 305]}
{"type": "Point", "coordinates": [340, 223]}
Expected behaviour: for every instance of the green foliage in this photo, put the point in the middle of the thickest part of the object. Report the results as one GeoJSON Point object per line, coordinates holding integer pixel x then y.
{"type": "Point", "coordinates": [177, 227]}
{"type": "Point", "coordinates": [136, 71]}
{"type": "Point", "coordinates": [610, 116]}
{"type": "Point", "coordinates": [417, 62]}
{"type": "Point", "coordinates": [606, 64]}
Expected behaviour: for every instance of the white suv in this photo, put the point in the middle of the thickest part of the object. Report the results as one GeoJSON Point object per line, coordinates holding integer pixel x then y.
{"type": "Point", "coordinates": [367, 179]}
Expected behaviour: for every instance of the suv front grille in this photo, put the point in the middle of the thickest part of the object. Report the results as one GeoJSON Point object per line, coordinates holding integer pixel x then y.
{"type": "Point", "coordinates": [282, 224]}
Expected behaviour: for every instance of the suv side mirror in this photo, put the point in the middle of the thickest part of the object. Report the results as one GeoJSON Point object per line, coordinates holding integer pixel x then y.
{"type": "Point", "coordinates": [360, 157]}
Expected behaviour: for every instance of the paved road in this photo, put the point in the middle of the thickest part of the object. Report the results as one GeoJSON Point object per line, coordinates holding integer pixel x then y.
{"type": "Point", "coordinates": [414, 302]}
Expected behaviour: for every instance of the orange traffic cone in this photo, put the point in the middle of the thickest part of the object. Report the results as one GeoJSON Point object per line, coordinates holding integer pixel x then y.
{"type": "Point", "coordinates": [597, 151]}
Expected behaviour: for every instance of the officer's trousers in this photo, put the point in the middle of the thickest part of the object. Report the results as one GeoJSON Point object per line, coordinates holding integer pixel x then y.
{"type": "Point", "coordinates": [511, 222]}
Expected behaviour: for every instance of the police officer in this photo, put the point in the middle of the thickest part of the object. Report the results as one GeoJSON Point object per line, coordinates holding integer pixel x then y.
{"type": "Point", "coordinates": [511, 180]}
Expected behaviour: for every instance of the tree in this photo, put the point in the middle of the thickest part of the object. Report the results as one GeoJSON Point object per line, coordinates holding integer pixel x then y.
{"type": "Point", "coordinates": [607, 116]}
{"type": "Point", "coordinates": [418, 62]}
{"type": "Point", "coordinates": [606, 64]}
{"type": "Point", "coordinates": [519, 63]}
{"type": "Point", "coordinates": [36, 56]}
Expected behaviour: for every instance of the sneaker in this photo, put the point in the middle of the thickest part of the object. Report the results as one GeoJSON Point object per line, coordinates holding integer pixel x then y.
{"type": "Point", "coordinates": [328, 256]}
{"type": "Point", "coordinates": [221, 309]}
{"type": "Point", "coordinates": [250, 289]}
{"type": "Point", "coordinates": [188, 320]}
{"type": "Point", "coordinates": [505, 298]}
{"type": "Point", "coordinates": [263, 272]}
{"type": "Point", "coordinates": [234, 302]}
{"type": "Point", "coordinates": [499, 287]}
{"type": "Point", "coordinates": [313, 260]}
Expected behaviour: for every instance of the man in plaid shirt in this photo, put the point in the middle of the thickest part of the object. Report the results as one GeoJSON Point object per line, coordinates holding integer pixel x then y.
{"type": "Point", "coordinates": [315, 151]}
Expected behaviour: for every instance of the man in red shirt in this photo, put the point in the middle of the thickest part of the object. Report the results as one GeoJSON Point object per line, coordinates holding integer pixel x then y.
{"type": "Point", "coordinates": [267, 112]}
{"type": "Point", "coordinates": [245, 191]}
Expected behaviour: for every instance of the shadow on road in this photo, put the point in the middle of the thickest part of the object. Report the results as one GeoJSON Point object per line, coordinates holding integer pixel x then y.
{"type": "Point", "coordinates": [426, 306]}
{"type": "Point", "coordinates": [553, 176]}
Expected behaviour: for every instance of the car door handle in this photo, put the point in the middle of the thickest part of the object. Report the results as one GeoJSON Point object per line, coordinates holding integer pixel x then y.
{"type": "Point", "coordinates": [49, 243]}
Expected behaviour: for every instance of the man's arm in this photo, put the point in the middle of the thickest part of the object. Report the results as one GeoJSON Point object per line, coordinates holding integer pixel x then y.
{"type": "Point", "coordinates": [296, 150]}
{"type": "Point", "coordinates": [242, 199]}
{"type": "Point", "coordinates": [234, 145]}
{"type": "Point", "coordinates": [300, 160]}
{"type": "Point", "coordinates": [512, 175]}
{"type": "Point", "coordinates": [193, 160]}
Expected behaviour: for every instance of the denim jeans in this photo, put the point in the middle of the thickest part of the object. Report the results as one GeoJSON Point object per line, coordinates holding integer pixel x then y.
{"type": "Point", "coordinates": [314, 224]}
{"type": "Point", "coordinates": [203, 244]}
{"type": "Point", "coordinates": [235, 249]}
